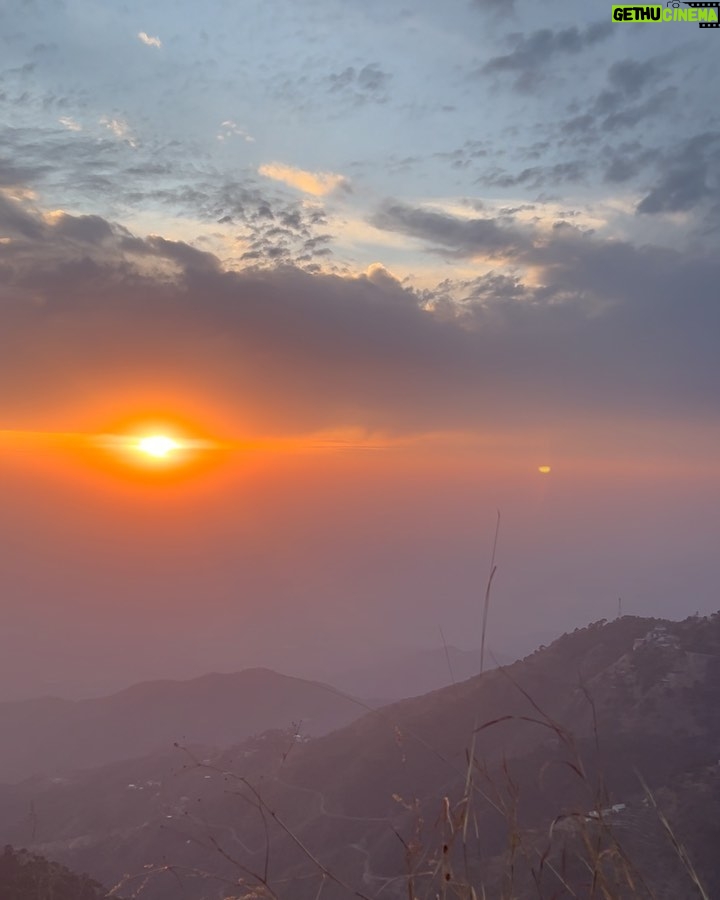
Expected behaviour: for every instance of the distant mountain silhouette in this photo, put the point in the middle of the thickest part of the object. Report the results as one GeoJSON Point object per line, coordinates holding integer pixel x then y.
{"type": "Point", "coordinates": [52, 736]}
{"type": "Point", "coordinates": [557, 741]}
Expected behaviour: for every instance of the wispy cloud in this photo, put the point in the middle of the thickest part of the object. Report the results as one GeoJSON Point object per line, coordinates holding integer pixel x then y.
{"type": "Point", "coordinates": [533, 50]}
{"type": "Point", "coordinates": [228, 129]}
{"type": "Point", "coordinates": [120, 128]}
{"type": "Point", "coordinates": [148, 40]}
{"type": "Point", "coordinates": [531, 54]}
{"type": "Point", "coordinates": [457, 237]}
{"type": "Point", "coordinates": [369, 84]}
{"type": "Point", "coordinates": [316, 183]}
{"type": "Point", "coordinates": [70, 123]}
{"type": "Point", "coordinates": [687, 178]}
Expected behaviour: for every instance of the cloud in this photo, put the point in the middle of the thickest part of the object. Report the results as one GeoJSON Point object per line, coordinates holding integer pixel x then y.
{"type": "Point", "coordinates": [620, 105]}
{"type": "Point", "coordinates": [627, 80]}
{"type": "Point", "coordinates": [630, 76]}
{"type": "Point", "coordinates": [628, 163]}
{"type": "Point", "coordinates": [657, 104]}
{"type": "Point", "coordinates": [537, 176]}
{"type": "Point", "coordinates": [149, 41]}
{"type": "Point", "coordinates": [83, 229]}
{"type": "Point", "coordinates": [120, 128]}
{"type": "Point", "coordinates": [69, 123]}
{"type": "Point", "coordinates": [16, 221]}
{"type": "Point", "coordinates": [534, 52]}
{"type": "Point", "coordinates": [688, 178]}
{"type": "Point", "coordinates": [228, 129]}
{"type": "Point", "coordinates": [604, 328]}
{"type": "Point", "coordinates": [12, 175]}
{"type": "Point", "coordinates": [316, 183]}
{"type": "Point", "coordinates": [494, 5]}
{"type": "Point", "coordinates": [359, 86]}
{"type": "Point", "coordinates": [450, 234]}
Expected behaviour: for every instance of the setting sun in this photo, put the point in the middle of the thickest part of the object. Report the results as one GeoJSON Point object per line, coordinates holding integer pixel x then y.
{"type": "Point", "coordinates": [157, 445]}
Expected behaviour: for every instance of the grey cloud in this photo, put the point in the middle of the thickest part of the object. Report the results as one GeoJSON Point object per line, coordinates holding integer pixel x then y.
{"type": "Point", "coordinates": [619, 105]}
{"type": "Point", "coordinates": [627, 81]}
{"type": "Point", "coordinates": [88, 229]}
{"type": "Point", "coordinates": [628, 162]}
{"type": "Point", "coordinates": [189, 258]}
{"type": "Point", "coordinates": [629, 76]}
{"type": "Point", "coordinates": [581, 126]}
{"type": "Point", "coordinates": [689, 178]}
{"type": "Point", "coordinates": [622, 168]}
{"type": "Point", "coordinates": [17, 222]}
{"type": "Point", "coordinates": [273, 227]}
{"type": "Point", "coordinates": [466, 156]}
{"type": "Point", "coordinates": [657, 104]}
{"type": "Point", "coordinates": [12, 175]}
{"type": "Point", "coordinates": [459, 237]}
{"type": "Point", "coordinates": [359, 86]}
{"type": "Point", "coordinates": [87, 167]}
{"type": "Point", "coordinates": [494, 5]}
{"type": "Point", "coordinates": [372, 78]}
{"type": "Point", "coordinates": [538, 176]}
{"type": "Point", "coordinates": [534, 51]}
{"type": "Point", "coordinates": [84, 162]}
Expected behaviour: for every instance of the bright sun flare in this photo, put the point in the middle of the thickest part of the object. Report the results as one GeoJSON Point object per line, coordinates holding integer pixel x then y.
{"type": "Point", "coordinates": [157, 445]}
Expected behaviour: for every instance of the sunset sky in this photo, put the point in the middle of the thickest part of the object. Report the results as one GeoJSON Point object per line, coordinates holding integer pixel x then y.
{"type": "Point", "coordinates": [371, 265]}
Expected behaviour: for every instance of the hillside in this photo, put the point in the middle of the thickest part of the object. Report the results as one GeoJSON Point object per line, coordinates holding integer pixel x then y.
{"type": "Point", "coordinates": [562, 733]}
{"type": "Point", "coordinates": [26, 876]}
{"type": "Point", "coordinates": [53, 737]}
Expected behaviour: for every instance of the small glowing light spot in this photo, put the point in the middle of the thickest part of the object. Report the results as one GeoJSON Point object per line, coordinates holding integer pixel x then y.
{"type": "Point", "coordinates": [157, 445]}
{"type": "Point", "coordinates": [544, 469]}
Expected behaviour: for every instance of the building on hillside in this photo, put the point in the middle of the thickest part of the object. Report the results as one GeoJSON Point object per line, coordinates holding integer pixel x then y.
{"type": "Point", "coordinates": [658, 637]}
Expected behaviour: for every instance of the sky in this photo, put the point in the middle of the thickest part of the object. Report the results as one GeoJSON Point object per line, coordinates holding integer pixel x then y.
{"type": "Point", "coordinates": [372, 265]}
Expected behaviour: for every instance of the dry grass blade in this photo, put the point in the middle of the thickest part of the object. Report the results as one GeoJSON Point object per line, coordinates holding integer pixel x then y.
{"type": "Point", "coordinates": [486, 607]}
{"type": "Point", "coordinates": [678, 847]}
{"type": "Point", "coordinates": [296, 840]}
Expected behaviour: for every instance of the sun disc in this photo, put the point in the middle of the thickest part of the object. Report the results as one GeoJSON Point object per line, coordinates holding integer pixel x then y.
{"type": "Point", "coordinates": [157, 445]}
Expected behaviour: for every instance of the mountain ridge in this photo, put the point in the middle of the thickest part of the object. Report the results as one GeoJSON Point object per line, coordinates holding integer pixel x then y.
{"type": "Point", "coordinates": [54, 736]}
{"type": "Point", "coordinates": [604, 700]}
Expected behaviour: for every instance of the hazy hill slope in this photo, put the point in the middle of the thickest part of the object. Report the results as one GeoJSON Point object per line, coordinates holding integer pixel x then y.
{"type": "Point", "coordinates": [632, 694]}
{"type": "Point", "coordinates": [52, 736]}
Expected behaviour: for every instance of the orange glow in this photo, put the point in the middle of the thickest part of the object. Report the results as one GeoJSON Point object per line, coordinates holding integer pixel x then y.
{"type": "Point", "coordinates": [544, 470]}
{"type": "Point", "coordinates": [171, 453]}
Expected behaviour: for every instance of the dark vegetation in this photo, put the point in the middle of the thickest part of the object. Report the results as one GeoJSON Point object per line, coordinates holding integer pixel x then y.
{"type": "Point", "coordinates": [26, 876]}
{"type": "Point", "coordinates": [588, 769]}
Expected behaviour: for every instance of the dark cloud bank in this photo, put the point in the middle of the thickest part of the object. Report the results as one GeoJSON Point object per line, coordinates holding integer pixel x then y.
{"type": "Point", "coordinates": [604, 327]}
